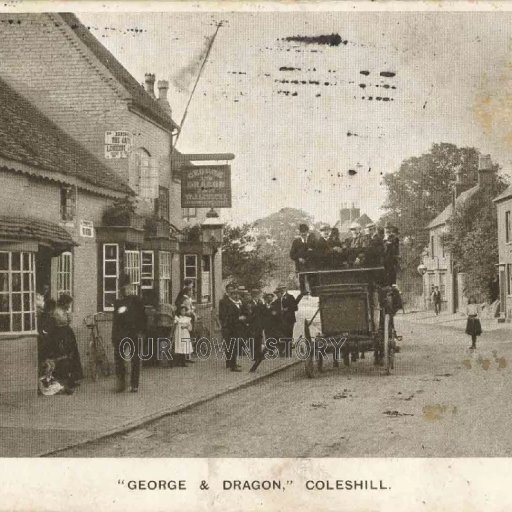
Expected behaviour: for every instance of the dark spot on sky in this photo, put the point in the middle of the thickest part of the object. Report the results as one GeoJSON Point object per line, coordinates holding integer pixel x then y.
{"type": "Point", "coordinates": [329, 40]}
{"type": "Point", "coordinates": [370, 98]}
{"type": "Point", "coordinates": [350, 134]}
{"type": "Point", "coordinates": [388, 74]}
{"type": "Point", "coordinates": [294, 82]}
{"type": "Point", "coordinates": [274, 179]}
{"type": "Point", "coordinates": [318, 95]}
{"type": "Point", "coordinates": [327, 83]}
{"type": "Point", "coordinates": [386, 99]}
{"type": "Point", "coordinates": [314, 82]}
{"type": "Point", "coordinates": [363, 86]}
{"type": "Point", "coordinates": [352, 172]}
{"type": "Point", "coordinates": [295, 93]}
{"type": "Point", "coordinates": [365, 73]}
{"type": "Point", "coordinates": [286, 68]}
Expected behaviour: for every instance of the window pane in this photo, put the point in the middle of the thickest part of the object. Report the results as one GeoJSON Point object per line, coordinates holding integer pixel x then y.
{"type": "Point", "coordinates": [4, 303]}
{"type": "Point", "coordinates": [4, 261]}
{"type": "Point", "coordinates": [15, 261]}
{"type": "Point", "coordinates": [4, 282]}
{"type": "Point", "coordinates": [110, 284]}
{"type": "Point", "coordinates": [110, 298]}
{"type": "Point", "coordinates": [4, 323]}
{"type": "Point", "coordinates": [26, 261]}
{"type": "Point", "coordinates": [26, 281]}
{"type": "Point", "coordinates": [190, 260]}
{"type": "Point", "coordinates": [16, 322]}
{"type": "Point", "coordinates": [16, 282]}
{"type": "Point", "coordinates": [110, 252]}
{"type": "Point", "coordinates": [110, 268]}
{"type": "Point", "coordinates": [26, 302]}
{"type": "Point", "coordinates": [16, 301]}
{"type": "Point", "coordinates": [27, 324]}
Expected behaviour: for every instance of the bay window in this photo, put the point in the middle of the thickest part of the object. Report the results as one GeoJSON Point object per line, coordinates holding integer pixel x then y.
{"type": "Point", "coordinates": [132, 268]}
{"type": "Point", "coordinates": [190, 271]}
{"type": "Point", "coordinates": [110, 275]}
{"type": "Point", "coordinates": [206, 278]}
{"type": "Point", "coordinates": [17, 292]}
{"type": "Point", "coordinates": [164, 259]}
{"type": "Point", "coordinates": [147, 272]}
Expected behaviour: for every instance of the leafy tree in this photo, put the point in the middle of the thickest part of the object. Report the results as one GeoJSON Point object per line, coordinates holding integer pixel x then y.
{"type": "Point", "coordinates": [242, 258]}
{"type": "Point", "coordinates": [419, 191]}
{"type": "Point", "coordinates": [472, 238]}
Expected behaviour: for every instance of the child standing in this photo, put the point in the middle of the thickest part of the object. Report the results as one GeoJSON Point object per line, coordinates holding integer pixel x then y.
{"type": "Point", "coordinates": [473, 326]}
{"type": "Point", "coordinates": [182, 342]}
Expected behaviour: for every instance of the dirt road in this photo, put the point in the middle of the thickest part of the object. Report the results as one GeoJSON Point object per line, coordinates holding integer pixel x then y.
{"type": "Point", "coordinates": [442, 400]}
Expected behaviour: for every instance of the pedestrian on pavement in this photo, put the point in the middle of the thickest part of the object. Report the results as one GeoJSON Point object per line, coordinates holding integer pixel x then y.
{"type": "Point", "coordinates": [68, 367]}
{"type": "Point", "coordinates": [129, 327]}
{"type": "Point", "coordinates": [232, 321]}
{"type": "Point", "coordinates": [473, 326]}
{"type": "Point", "coordinates": [287, 307]}
{"type": "Point", "coordinates": [256, 313]}
{"type": "Point", "coordinates": [182, 341]}
{"type": "Point", "coordinates": [436, 300]}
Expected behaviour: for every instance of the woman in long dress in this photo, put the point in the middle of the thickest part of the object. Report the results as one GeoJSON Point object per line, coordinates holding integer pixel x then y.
{"type": "Point", "coordinates": [182, 342]}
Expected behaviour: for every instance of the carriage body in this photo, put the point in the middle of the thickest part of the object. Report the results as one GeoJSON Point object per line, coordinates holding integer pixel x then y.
{"type": "Point", "coordinates": [354, 318]}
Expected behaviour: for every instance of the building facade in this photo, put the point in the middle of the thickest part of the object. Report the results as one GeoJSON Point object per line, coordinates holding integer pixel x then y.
{"type": "Point", "coordinates": [504, 211]}
{"type": "Point", "coordinates": [439, 267]}
{"type": "Point", "coordinates": [53, 62]}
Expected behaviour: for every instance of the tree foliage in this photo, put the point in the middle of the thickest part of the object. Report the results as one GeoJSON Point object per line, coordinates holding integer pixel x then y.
{"type": "Point", "coordinates": [242, 258]}
{"type": "Point", "coordinates": [472, 239]}
{"type": "Point", "coordinates": [420, 190]}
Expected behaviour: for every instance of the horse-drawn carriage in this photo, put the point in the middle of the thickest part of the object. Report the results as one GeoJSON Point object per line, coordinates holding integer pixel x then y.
{"type": "Point", "coordinates": [356, 311]}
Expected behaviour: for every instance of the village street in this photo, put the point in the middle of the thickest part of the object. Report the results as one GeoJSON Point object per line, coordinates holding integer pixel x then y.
{"type": "Point", "coordinates": [441, 401]}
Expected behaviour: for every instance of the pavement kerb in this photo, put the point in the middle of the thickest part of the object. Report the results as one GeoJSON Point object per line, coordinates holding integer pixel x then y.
{"type": "Point", "coordinates": [139, 422]}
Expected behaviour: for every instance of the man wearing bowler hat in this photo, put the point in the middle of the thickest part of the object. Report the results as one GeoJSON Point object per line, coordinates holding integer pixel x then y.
{"type": "Point", "coordinates": [301, 253]}
{"type": "Point", "coordinates": [128, 330]}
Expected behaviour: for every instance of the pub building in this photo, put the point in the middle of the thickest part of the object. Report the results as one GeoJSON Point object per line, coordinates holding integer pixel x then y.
{"type": "Point", "coordinates": [95, 184]}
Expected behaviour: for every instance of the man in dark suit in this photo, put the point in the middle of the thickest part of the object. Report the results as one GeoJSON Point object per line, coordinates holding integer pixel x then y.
{"type": "Point", "coordinates": [374, 247]}
{"type": "Point", "coordinates": [256, 320]}
{"type": "Point", "coordinates": [286, 305]}
{"type": "Point", "coordinates": [322, 251]}
{"type": "Point", "coordinates": [391, 253]}
{"type": "Point", "coordinates": [232, 321]}
{"type": "Point", "coordinates": [301, 253]}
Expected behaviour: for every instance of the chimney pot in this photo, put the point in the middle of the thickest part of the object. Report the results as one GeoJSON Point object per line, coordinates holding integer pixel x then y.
{"type": "Point", "coordinates": [163, 87]}
{"type": "Point", "coordinates": [150, 84]}
{"type": "Point", "coordinates": [485, 171]}
{"type": "Point", "coordinates": [484, 162]}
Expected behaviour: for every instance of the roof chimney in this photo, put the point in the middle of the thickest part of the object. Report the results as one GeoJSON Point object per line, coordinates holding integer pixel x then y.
{"type": "Point", "coordinates": [150, 84]}
{"type": "Point", "coordinates": [163, 87]}
{"type": "Point", "coordinates": [485, 170]}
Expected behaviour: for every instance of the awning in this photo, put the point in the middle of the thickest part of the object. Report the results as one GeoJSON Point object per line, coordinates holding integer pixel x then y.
{"type": "Point", "coordinates": [23, 229]}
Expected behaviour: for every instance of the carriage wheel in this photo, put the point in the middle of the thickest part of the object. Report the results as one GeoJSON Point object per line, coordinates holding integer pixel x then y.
{"type": "Point", "coordinates": [309, 366]}
{"type": "Point", "coordinates": [389, 353]}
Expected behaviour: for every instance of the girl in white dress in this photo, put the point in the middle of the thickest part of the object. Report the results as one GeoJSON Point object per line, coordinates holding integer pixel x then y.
{"type": "Point", "coordinates": [182, 343]}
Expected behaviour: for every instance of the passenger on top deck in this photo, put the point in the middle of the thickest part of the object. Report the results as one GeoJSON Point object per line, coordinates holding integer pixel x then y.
{"type": "Point", "coordinates": [355, 245]}
{"type": "Point", "coordinates": [374, 253]}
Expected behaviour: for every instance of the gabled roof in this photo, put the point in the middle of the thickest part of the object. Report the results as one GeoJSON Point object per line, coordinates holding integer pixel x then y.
{"type": "Point", "coordinates": [504, 195]}
{"type": "Point", "coordinates": [344, 227]}
{"type": "Point", "coordinates": [29, 137]}
{"type": "Point", "coordinates": [141, 99]}
{"type": "Point", "coordinates": [445, 215]}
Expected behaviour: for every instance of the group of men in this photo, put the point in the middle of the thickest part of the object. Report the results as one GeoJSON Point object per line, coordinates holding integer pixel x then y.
{"type": "Point", "coordinates": [372, 248]}
{"type": "Point", "coordinates": [251, 317]}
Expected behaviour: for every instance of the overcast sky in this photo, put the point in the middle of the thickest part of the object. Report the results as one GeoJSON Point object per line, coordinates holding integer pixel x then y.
{"type": "Point", "coordinates": [295, 143]}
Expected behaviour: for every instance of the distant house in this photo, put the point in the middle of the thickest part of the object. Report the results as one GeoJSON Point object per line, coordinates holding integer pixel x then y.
{"type": "Point", "coordinates": [440, 269]}
{"type": "Point", "coordinates": [347, 217]}
{"type": "Point", "coordinates": [504, 210]}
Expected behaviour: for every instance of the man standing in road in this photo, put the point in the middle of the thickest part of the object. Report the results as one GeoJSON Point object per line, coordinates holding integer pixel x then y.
{"type": "Point", "coordinates": [232, 321]}
{"type": "Point", "coordinates": [436, 300]}
{"type": "Point", "coordinates": [128, 330]}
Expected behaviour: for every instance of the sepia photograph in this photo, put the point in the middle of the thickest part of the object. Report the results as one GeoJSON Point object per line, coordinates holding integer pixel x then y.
{"type": "Point", "coordinates": [255, 233]}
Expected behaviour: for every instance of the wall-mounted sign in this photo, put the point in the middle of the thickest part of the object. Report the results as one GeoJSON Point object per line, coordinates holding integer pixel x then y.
{"type": "Point", "coordinates": [206, 186]}
{"type": "Point", "coordinates": [117, 144]}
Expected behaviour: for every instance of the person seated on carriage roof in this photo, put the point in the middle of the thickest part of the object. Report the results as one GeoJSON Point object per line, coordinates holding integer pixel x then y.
{"type": "Point", "coordinates": [356, 245]}
{"type": "Point", "coordinates": [391, 252]}
{"type": "Point", "coordinates": [322, 249]}
{"type": "Point", "coordinates": [301, 253]}
{"type": "Point", "coordinates": [374, 246]}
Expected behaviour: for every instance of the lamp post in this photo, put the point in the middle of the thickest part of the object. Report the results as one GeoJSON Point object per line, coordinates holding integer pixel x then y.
{"type": "Point", "coordinates": [211, 230]}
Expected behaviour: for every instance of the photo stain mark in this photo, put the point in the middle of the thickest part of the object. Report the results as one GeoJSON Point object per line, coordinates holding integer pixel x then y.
{"type": "Point", "coordinates": [352, 172]}
{"type": "Point", "coordinates": [364, 72]}
{"type": "Point", "coordinates": [326, 40]}
{"type": "Point", "coordinates": [387, 74]}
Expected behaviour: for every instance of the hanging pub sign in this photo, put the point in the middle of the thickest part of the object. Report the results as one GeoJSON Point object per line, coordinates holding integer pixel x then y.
{"type": "Point", "coordinates": [117, 144]}
{"type": "Point", "coordinates": [206, 186]}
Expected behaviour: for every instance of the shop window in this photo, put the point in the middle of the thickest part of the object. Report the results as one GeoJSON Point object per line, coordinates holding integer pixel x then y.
{"type": "Point", "coordinates": [64, 274]}
{"type": "Point", "coordinates": [132, 268]}
{"type": "Point", "coordinates": [508, 227]}
{"type": "Point", "coordinates": [188, 213]}
{"type": "Point", "coordinates": [162, 206]}
{"type": "Point", "coordinates": [190, 271]}
{"type": "Point", "coordinates": [17, 292]}
{"type": "Point", "coordinates": [206, 278]}
{"type": "Point", "coordinates": [67, 203]}
{"type": "Point", "coordinates": [110, 275]}
{"type": "Point", "coordinates": [164, 274]}
{"type": "Point", "coordinates": [147, 272]}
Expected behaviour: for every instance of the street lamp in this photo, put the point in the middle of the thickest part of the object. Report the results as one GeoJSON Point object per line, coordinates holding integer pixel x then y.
{"type": "Point", "coordinates": [212, 230]}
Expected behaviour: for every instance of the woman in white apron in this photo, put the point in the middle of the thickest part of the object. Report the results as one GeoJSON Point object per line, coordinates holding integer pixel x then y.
{"type": "Point", "coordinates": [182, 343]}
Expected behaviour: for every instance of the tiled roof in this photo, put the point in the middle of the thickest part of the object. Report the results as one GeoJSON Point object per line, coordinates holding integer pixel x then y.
{"type": "Point", "coordinates": [26, 228]}
{"type": "Point", "coordinates": [445, 215]}
{"type": "Point", "coordinates": [140, 97]}
{"type": "Point", "coordinates": [27, 136]}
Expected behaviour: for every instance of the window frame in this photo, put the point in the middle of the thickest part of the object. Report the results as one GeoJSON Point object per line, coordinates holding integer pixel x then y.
{"type": "Point", "coordinates": [132, 260]}
{"type": "Point", "coordinates": [67, 211]}
{"type": "Point", "coordinates": [60, 272]}
{"type": "Point", "coordinates": [207, 299]}
{"type": "Point", "coordinates": [30, 292]}
{"type": "Point", "coordinates": [164, 277]}
{"type": "Point", "coordinates": [185, 213]}
{"type": "Point", "coordinates": [109, 276]}
{"type": "Point", "coordinates": [146, 277]}
{"type": "Point", "coordinates": [194, 278]}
